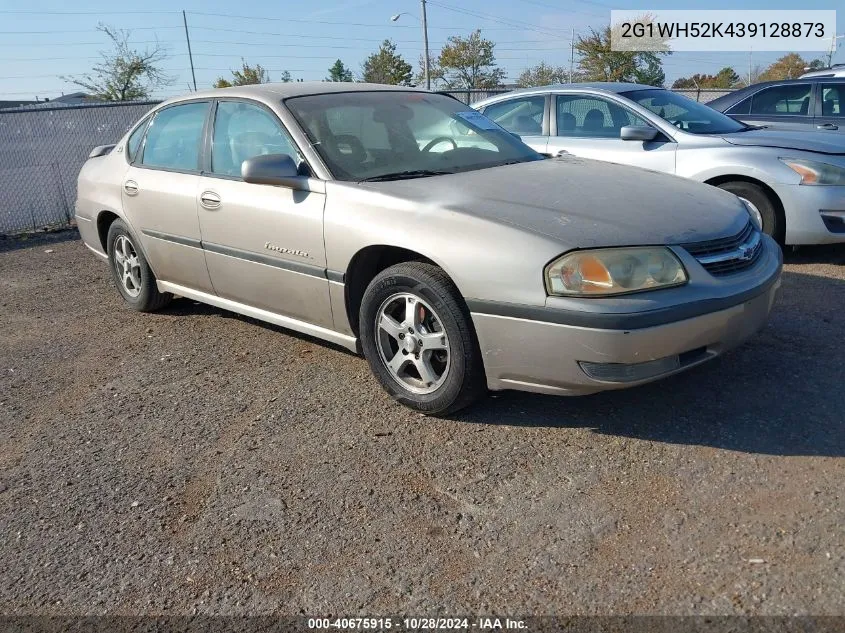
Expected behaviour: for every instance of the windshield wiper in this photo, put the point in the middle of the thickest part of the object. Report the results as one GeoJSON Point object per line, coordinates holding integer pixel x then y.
{"type": "Point", "coordinates": [405, 175]}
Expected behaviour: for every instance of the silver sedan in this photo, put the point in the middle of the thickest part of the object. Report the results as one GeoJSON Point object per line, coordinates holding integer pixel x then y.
{"type": "Point", "coordinates": [404, 225]}
{"type": "Point", "coordinates": [794, 181]}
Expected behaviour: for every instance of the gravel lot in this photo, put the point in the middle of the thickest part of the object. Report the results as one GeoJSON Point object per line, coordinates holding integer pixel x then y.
{"type": "Point", "coordinates": [194, 461]}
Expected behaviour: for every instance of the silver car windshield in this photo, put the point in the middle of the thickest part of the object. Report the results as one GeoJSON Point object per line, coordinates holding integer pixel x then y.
{"type": "Point", "coordinates": [391, 135]}
{"type": "Point", "coordinates": [685, 114]}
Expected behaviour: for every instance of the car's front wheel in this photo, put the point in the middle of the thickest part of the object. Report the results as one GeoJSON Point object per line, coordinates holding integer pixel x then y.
{"type": "Point", "coordinates": [760, 205]}
{"type": "Point", "coordinates": [131, 272]}
{"type": "Point", "coordinates": [417, 336]}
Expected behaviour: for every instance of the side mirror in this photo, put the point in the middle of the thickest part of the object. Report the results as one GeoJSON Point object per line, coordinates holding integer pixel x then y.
{"type": "Point", "coordinates": [272, 169]}
{"type": "Point", "coordinates": [638, 133]}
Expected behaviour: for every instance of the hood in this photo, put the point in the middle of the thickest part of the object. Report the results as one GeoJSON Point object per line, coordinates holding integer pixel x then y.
{"type": "Point", "coordinates": [583, 203]}
{"type": "Point", "coordinates": [809, 141]}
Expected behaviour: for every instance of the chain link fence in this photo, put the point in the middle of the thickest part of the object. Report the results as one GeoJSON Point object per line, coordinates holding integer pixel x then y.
{"type": "Point", "coordinates": [42, 149]}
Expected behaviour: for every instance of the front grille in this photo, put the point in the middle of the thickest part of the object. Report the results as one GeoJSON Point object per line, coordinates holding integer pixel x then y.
{"type": "Point", "coordinates": [728, 255]}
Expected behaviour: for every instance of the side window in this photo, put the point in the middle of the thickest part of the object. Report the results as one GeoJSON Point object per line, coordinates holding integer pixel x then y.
{"type": "Point", "coordinates": [789, 99]}
{"type": "Point", "coordinates": [833, 100]}
{"type": "Point", "coordinates": [134, 142]}
{"type": "Point", "coordinates": [521, 116]}
{"type": "Point", "coordinates": [174, 136]}
{"type": "Point", "coordinates": [591, 117]}
{"type": "Point", "coordinates": [743, 107]}
{"type": "Point", "coordinates": [242, 131]}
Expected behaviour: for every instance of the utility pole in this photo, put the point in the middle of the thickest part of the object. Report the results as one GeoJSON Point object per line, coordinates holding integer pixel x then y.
{"type": "Point", "coordinates": [750, 53]}
{"type": "Point", "coordinates": [571, 54]}
{"type": "Point", "coordinates": [425, 40]}
{"type": "Point", "coordinates": [190, 55]}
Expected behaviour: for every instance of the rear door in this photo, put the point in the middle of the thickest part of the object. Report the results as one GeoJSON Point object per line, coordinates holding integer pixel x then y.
{"type": "Point", "coordinates": [830, 110]}
{"type": "Point", "coordinates": [160, 194]}
{"type": "Point", "coordinates": [527, 116]}
{"type": "Point", "coordinates": [783, 106]}
{"type": "Point", "coordinates": [590, 126]}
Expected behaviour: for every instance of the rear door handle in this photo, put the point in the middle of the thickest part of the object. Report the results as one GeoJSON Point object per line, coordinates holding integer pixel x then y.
{"type": "Point", "coordinates": [130, 187]}
{"type": "Point", "coordinates": [827, 126]}
{"type": "Point", "coordinates": [210, 200]}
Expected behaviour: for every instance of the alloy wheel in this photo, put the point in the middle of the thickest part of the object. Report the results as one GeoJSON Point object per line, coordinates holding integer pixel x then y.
{"type": "Point", "coordinates": [127, 265]}
{"type": "Point", "coordinates": [412, 343]}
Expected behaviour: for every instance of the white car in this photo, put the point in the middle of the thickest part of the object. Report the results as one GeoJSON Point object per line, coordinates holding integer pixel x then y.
{"type": "Point", "coordinates": [794, 181]}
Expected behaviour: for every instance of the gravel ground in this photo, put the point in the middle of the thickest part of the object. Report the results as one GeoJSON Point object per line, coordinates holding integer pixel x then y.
{"type": "Point", "coordinates": [194, 461]}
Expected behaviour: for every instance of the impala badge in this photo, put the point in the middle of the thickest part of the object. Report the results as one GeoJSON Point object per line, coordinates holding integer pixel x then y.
{"type": "Point", "coordinates": [286, 251]}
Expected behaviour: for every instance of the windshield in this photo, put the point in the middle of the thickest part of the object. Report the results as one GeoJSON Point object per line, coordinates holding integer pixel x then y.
{"type": "Point", "coordinates": [396, 134]}
{"type": "Point", "coordinates": [685, 114]}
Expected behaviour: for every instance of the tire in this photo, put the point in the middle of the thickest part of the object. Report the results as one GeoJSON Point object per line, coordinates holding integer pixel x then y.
{"type": "Point", "coordinates": [443, 348]}
{"type": "Point", "coordinates": [131, 273]}
{"type": "Point", "coordinates": [773, 221]}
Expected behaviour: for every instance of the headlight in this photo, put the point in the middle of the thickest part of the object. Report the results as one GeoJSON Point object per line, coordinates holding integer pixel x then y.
{"type": "Point", "coordinates": [613, 271]}
{"type": "Point", "coordinates": [813, 173]}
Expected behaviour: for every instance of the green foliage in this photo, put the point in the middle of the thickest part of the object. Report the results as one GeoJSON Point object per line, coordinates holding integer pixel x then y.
{"type": "Point", "coordinates": [339, 72]}
{"type": "Point", "coordinates": [124, 74]}
{"type": "Point", "coordinates": [469, 62]}
{"type": "Point", "coordinates": [725, 78]}
{"type": "Point", "coordinates": [542, 75]}
{"type": "Point", "coordinates": [597, 62]}
{"type": "Point", "coordinates": [386, 67]}
{"type": "Point", "coordinates": [246, 76]}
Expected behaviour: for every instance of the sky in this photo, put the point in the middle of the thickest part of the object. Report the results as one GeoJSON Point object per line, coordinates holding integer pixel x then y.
{"type": "Point", "coordinates": [42, 41]}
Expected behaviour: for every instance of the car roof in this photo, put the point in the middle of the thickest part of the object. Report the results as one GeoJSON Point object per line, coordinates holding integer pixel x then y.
{"type": "Point", "coordinates": [284, 90]}
{"type": "Point", "coordinates": [607, 86]}
{"type": "Point", "coordinates": [736, 96]}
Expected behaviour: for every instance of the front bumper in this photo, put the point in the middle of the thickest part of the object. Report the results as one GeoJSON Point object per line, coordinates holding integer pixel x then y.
{"type": "Point", "coordinates": [565, 359]}
{"type": "Point", "coordinates": [814, 214]}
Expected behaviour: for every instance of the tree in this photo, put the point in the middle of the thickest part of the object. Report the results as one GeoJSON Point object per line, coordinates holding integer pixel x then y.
{"type": "Point", "coordinates": [435, 72]}
{"type": "Point", "coordinates": [125, 73]}
{"type": "Point", "coordinates": [542, 75]}
{"type": "Point", "coordinates": [789, 66]}
{"type": "Point", "coordinates": [599, 62]}
{"type": "Point", "coordinates": [339, 72]}
{"type": "Point", "coordinates": [246, 76]}
{"type": "Point", "coordinates": [725, 78]}
{"type": "Point", "coordinates": [386, 67]}
{"type": "Point", "coordinates": [469, 62]}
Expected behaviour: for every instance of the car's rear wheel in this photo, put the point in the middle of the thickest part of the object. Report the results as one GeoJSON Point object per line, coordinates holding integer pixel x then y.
{"type": "Point", "coordinates": [767, 214]}
{"type": "Point", "coordinates": [131, 272]}
{"type": "Point", "coordinates": [417, 336]}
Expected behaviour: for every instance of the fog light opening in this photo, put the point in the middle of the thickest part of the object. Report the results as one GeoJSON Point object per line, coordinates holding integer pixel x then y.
{"type": "Point", "coordinates": [622, 372]}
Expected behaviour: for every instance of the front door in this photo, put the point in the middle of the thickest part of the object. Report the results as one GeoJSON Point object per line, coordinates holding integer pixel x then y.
{"type": "Point", "coordinates": [159, 193]}
{"type": "Point", "coordinates": [590, 126]}
{"type": "Point", "coordinates": [263, 244]}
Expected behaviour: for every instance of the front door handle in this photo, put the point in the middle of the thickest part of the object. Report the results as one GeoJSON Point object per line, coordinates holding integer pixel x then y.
{"type": "Point", "coordinates": [131, 188]}
{"type": "Point", "coordinates": [210, 200]}
{"type": "Point", "coordinates": [827, 126]}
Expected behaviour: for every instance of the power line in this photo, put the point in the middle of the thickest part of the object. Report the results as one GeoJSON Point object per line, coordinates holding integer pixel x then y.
{"type": "Point", "coordinates": [514, 24]}
{"type": "Point", "coordinates": [86, 12]}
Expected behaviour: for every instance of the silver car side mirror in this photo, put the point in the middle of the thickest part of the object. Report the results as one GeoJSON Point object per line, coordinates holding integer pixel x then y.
{"type": "Point", "coordinates": [272, 169]}
{"type": "Point", "coordinates": [638, 133]}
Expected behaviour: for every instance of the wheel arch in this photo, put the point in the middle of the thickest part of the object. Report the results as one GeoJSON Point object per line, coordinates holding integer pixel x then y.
{"type": "Point", "coordinates": [105, 219]}
{"type": "Point", "coordinates": [368, 262]}
{"type": "Point", "coordinates": [767, 190]}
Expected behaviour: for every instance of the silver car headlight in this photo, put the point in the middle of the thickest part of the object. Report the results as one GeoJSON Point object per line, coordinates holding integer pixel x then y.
{"type": "Point", "coordinates": [754, 213]}
{"type": "Point", "coordinates": [614, 271]}
{"type": "Point", "coordinates": [815, 173]}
